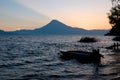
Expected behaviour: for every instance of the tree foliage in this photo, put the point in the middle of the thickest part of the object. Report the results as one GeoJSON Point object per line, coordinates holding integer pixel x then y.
{"type": "Point", "coordinates": [115, 2]}
{"type": "Point", "coordinates": [114, 18]}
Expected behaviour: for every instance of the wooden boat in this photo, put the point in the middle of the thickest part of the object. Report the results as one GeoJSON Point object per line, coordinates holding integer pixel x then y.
{"type": "Point", "coordinates": [82, 56]}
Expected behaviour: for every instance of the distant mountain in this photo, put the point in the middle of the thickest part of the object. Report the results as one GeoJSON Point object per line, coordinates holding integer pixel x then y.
{"type": "Point", "coordinates": [2, 32]}
{"type": "Point", "coordinates": [57, 27]}
{"type": "Point", "coordinates": [97, 32]}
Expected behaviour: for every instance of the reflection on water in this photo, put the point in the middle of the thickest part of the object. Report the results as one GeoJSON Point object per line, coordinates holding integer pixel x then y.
{"type": "Point", "coordinates": [36, 57]}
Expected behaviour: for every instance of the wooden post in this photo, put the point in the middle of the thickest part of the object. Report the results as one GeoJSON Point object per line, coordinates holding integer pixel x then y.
{"type": "Point", "coordinates": [117, 46]}
{"type": "Point", "coordinates": [98, 51]}
{"type": "Point", "coordinates": [114, 46]}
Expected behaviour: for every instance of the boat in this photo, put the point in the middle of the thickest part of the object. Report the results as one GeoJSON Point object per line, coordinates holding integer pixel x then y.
{"type": "Point", "coordinates": [82, 56]}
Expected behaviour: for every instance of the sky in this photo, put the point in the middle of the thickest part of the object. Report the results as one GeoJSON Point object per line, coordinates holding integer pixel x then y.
{"type": "Point", "coordinates": [31, 14]}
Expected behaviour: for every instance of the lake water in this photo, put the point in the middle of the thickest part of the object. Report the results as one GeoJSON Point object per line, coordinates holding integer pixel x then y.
{"type": "Point", "coordinates": [35, 57]}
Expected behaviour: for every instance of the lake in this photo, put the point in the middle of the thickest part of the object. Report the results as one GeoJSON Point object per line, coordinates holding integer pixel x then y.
{"type": "Point", "coordinates": [36, 57]}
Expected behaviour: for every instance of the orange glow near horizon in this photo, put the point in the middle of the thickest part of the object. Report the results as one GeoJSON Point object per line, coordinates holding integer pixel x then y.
{"type": "Point", "coordinates": [32, 14]}
{"type": "Point", "coordinates": [88, 22]}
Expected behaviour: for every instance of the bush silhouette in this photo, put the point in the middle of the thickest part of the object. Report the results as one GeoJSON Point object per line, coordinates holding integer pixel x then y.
{"type": "Point", "coordinates": [116, 39]}
{"type": "Point", "coordinates": [87, 40]}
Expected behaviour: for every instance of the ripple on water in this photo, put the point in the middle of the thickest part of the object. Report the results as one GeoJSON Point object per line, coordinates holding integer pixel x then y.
{"type": "Point", "coordinates": [36, 57]}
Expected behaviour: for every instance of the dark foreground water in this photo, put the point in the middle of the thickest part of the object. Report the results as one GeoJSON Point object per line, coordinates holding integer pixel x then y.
{"type": "Point", "coordinates": [36, 58]}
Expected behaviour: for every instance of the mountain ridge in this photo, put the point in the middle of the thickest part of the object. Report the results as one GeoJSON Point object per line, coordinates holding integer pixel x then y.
{"type": "Point", "coordinates": [57, 27]}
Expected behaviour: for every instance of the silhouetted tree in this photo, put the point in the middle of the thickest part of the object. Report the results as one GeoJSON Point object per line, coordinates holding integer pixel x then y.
{"type": "Point", "coordinates": [114, 18]}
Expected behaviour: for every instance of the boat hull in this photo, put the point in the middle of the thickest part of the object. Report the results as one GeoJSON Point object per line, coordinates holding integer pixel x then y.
{"type": "Point", "coordinates": [81, 56]}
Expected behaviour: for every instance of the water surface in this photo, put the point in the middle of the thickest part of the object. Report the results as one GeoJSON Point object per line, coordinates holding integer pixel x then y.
{"type": "Point", "coordinates": [36, 57]}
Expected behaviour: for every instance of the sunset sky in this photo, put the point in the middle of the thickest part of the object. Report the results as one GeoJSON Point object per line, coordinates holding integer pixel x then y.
{"type": "Point", "coordinates": [31, 14]}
